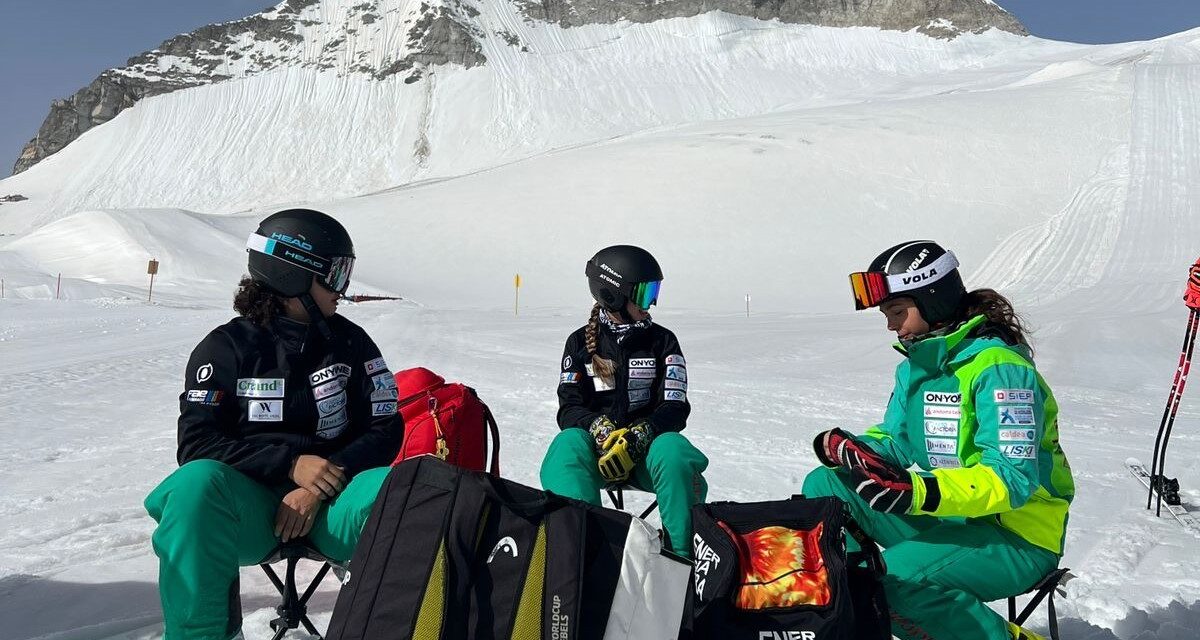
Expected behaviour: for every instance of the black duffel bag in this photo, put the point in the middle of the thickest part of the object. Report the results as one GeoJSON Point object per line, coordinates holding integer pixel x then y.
{"type": "Point", "coordinates": [779, 571]}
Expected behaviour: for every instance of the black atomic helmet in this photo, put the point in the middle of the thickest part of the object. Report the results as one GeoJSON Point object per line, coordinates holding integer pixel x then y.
{"type": "Point", "coordinates": [622, 273]}
{"type": "Point", "coordinates": [918, 269]}
{"type": "Point", "coordinates": [292, 246]}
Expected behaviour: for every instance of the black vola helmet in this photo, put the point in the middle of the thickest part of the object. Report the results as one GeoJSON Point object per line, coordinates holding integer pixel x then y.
{"type": "Point", "coordinates": [292, 246]}
{"type": "Point", "coordinates": [918, 269]}
{"type": "Point", "coordinates": [621, 273]}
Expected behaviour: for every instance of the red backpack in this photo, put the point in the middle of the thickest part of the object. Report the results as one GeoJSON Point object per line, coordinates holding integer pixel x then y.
{"type": "Point", "coordinates": [445, 420]}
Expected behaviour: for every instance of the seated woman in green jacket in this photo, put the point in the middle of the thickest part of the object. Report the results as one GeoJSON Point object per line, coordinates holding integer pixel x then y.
{"type": "Point", "coordinates": [964, 483]}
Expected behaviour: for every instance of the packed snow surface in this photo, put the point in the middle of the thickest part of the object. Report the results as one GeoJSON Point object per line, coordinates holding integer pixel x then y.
{"type": "Point", "coordinates": [775, 161]}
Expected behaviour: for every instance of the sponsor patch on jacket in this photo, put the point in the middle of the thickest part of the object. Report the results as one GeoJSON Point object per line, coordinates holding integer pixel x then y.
{"type": "Point", "coordinates": [675, 394]}
{"type": "Point", "coordinates": [383, 381]}
{"type": "Point", "coordinates": [675, 358]}
{"type": "Point", "coordinates": [331, 426]}
{"type": "Point", "coordinates": [942, 397]}
{"type": "Point", "coordinates": [941, 428]}
{"type": "Point", "coordinates": [568, 377]}
{"type": "Point", "coordinates": [944, 462]}
{"type": "Point", "coordinates": [1019, 415]}
{"type": "Point", "coordinates": [323, 391]}
{"type": "Point", "coordinates": [944, 412]}
{"type": "Point", "coordinates": [642, 373]}
{"type": "Point", "coordinates": [641, 383]}
{"type": "Point", "coordinates": [383, 408]}
{"type": "Point", "coordinates": [266, 410]}
{"type": "Point", "coordinates": [1018, 435]}
{"type": "Point", "coordinates": [204, 372]}
{"type": "Point", "coordinates": [321, 376]}
{"type": "Point", "coordinates": [639, 395]}
{"type": "Point", "coordinates": [330, 405]}
{"type": "Point", "coordinates": [675, 384]}
{"type": "Point", "coordinates": [941, 445]}
{"type": "Point", "coordinates": [677, 372]}
{"type": "Point", "coordinates": [208, 398]}
{"type": "Point", "coordinates": [642, 363]}
{"type": "Point", "coordinates": [1019, 451]}
{"type": "Point", "coordinates": [384, 395]}
{"type": "Point", "coordinates": [375, 366]}
{"type": "Point", "coordinates": [567, 362]}
{"type": "Point", "coordinates": [260, 387]}
{"type": "Point", "coordinates": [1023, 396]}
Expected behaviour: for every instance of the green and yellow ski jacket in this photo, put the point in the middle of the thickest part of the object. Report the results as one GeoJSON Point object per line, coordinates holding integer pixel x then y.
{"type": "Point", "coordinates": [972, 412]}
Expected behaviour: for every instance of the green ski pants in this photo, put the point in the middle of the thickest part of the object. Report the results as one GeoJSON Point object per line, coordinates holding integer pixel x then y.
{"type": "Point", "coordinates": [942, 571]}
{"type": "Point", "coordinates": [672, 470]}
{"type": "Point", "coordinates": [213, 519]}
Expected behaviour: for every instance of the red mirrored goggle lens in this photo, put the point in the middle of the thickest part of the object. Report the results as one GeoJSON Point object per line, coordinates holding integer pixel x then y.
{"type": "Point", "coordinates": [870, 288]}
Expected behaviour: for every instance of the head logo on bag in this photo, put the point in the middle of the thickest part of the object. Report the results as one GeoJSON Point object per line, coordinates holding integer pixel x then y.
{"type": "Point", "coordinates": [507, 545]}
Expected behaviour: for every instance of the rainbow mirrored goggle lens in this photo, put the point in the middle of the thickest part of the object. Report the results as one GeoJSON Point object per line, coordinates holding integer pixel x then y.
{"type": "Point", "coordinates": [646, 294]}
{"type": "Point", "coordinates": [332, 273]}
{"type": "Point", "coordinates": [870, 288]}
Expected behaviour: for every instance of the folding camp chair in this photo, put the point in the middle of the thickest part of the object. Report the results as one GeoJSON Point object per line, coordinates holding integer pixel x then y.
{"type": "Point", "coordinates": [1043, 590]}
{"type": "Point", "coordinates": [293, 611]}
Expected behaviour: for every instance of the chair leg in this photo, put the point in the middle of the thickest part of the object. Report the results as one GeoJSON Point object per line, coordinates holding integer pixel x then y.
{"type": "Point", "coordinates": [1053, 616]}
{"type": "Point", "coordinates": [617, 498]}
{"type": "Point", "coordinates": [1012, 609]}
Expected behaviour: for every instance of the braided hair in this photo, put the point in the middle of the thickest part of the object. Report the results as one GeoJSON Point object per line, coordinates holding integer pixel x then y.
{"type": "Point", "coordinates": [602, 368]}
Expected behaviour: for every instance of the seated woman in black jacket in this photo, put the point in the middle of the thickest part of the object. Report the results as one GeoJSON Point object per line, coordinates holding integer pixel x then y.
{"type": "Point", "coordinates": [287, 424]}
{"type": "Point", "coordinates": [622, 399]}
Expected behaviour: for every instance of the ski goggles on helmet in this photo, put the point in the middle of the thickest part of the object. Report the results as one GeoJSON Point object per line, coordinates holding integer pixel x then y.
{"type": "Point", "coordinates": [871, 288]}
{"type": "Point", "coordinates": [645, 294]}
{"type": "Point", "coordinates": [332, 273]}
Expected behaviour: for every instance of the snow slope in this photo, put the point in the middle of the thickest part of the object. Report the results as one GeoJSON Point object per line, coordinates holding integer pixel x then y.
{"type": "Point", "coordinates": [1067, 176]}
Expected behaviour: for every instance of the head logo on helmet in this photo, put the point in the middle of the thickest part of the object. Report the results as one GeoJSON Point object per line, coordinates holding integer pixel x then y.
{"type": "Point", "coordinates": [290, 247]}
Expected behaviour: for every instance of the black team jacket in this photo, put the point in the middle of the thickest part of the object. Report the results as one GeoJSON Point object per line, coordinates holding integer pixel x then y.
{"type": "Point", "coordinates": [258, 397]}
{"type": "Point", "coordinates": [650, 381]}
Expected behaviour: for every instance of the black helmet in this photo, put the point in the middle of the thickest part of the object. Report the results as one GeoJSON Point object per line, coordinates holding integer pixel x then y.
{"type": "Point", "coordinates": [292, 246]}
{"type": "Point", "coordinates": [621, 273]}
{"type": "Point", "coordinates": [917, 269]}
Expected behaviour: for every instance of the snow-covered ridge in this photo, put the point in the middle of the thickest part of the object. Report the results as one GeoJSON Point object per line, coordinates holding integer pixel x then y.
{"type": "Point", "coordinates": [378, 39]}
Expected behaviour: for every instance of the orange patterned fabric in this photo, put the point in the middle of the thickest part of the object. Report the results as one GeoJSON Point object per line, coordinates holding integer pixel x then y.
{"type": "Point", "coordinates": [781, 567]}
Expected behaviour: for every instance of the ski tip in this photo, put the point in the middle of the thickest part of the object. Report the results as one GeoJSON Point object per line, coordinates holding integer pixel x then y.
{"type": "Point", "coordinates": [1133, 462]}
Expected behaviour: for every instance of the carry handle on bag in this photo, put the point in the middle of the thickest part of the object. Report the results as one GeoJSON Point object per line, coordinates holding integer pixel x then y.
{"type": "Point", "coordinates": [446, 420]}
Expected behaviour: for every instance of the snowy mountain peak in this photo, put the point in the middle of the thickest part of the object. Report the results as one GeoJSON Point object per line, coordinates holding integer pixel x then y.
{"type": "Point", "coordinates": [383, 38]}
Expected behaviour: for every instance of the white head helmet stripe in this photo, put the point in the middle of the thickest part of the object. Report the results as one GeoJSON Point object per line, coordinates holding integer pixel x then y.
{"type": "Point", "coordinates": [925, 276]}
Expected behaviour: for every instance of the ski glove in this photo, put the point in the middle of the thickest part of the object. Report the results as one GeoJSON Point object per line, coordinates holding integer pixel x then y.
{"type": "Point", "coordinates": [602, 427]}
{"type": "Point", "coordinates": [623, 450]}
{"type": "Point", "coordinates": [882, 484]}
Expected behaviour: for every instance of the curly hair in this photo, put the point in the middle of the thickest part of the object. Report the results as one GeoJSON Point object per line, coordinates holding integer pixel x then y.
{"type": "Point", "coordinates": [255, 301]}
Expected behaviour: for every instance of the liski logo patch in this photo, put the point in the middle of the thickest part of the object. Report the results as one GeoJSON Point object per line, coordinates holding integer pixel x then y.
{"type": "Point", "coordinates": [1019, 451]}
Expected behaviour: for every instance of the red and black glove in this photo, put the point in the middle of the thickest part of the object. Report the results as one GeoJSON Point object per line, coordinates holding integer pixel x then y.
{"type": "Point", "coordinates": [884, 485]}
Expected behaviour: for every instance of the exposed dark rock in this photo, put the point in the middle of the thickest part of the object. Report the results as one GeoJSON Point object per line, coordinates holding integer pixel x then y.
{"type": "Point", "coordinates": [16, 197]}
{"type": "Point", "coordinates": [901, 15]}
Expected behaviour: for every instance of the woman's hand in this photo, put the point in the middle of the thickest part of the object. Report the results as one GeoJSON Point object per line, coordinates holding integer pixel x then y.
{"type": "Point", "coordinates": [318, 475]}
{"type": "Point", "coordinates": [296, 514]}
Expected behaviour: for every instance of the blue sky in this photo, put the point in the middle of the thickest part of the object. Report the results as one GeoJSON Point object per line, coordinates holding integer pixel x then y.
{"type": "Point", "coordinates": [51, 48]}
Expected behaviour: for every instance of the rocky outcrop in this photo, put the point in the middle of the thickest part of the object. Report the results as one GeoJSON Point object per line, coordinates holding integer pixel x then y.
{"type": "Point", "coordinates": [300, 33]}
{"type": "Point", "coordinates": [938, 18]}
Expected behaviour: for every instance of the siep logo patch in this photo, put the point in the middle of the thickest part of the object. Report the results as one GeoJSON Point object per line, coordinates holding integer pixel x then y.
{"type": "Point", "coordinates": [1018, 435]}
{"type": "Point", "coordinates": [266, 411]}
{"type": "Point", "coordinates": [375, 366]}
{"type": "Point", "coordinates": [1024, 396]}
{"type": "Point", "coordinates": [260, 387]}
{"type": "Point", "coordinates": [675, 358]}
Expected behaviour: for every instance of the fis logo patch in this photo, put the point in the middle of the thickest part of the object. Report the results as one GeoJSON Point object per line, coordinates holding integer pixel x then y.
{"type": "Point", "coordinates": [383, 381]}
{"type": "Point", "coordinates": [676, 372]}
{"type": "Point", "coordinates": [1015, 415]}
